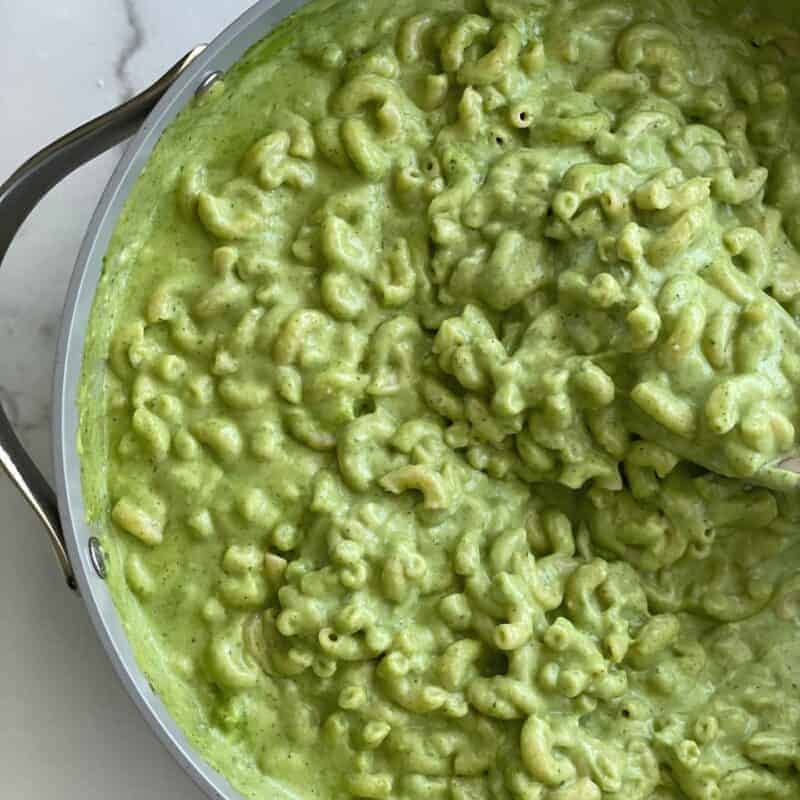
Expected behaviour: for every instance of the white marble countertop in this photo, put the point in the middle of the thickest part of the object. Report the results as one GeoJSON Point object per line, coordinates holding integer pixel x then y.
{"type": "Point", "coordinates": [68, 729]}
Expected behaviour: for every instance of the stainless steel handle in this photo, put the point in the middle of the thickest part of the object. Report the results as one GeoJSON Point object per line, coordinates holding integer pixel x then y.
{"type": "Point", "coordinates": [18, 197]}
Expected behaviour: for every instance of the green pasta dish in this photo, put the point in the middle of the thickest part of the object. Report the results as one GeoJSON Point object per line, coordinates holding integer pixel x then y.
{"type": "Point", "coordinates": [434, 389]}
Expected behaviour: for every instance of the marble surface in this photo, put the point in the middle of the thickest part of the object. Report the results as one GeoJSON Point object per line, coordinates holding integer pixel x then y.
{"type": "Point", "coordinates": [68, 729]}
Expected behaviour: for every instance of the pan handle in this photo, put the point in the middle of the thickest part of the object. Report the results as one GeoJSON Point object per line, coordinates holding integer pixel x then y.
{"type": "Point", "coordinates": [18, 196]}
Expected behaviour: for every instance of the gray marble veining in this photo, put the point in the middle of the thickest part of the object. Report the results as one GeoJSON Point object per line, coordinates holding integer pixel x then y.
{"type": "Point", "coordinates": [134, 42]}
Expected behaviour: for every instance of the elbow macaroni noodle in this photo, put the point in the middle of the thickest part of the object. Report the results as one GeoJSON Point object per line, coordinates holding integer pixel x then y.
{"type": "Point", "coordinates": [435, 406]}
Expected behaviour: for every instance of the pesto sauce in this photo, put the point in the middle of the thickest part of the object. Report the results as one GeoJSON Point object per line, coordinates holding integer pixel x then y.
{"type": "Point", "coordinates": [410, 341]}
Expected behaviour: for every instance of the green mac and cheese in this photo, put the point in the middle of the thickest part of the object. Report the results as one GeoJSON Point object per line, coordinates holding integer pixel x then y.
{"type": "Point", "coordinates": [435, 384]}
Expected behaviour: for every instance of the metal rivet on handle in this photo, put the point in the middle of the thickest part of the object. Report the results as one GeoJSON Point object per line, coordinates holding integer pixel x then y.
{"type": "Point", "coordinates": [97, 557]}
{"type": "Point", "coordinates": [207, 82]}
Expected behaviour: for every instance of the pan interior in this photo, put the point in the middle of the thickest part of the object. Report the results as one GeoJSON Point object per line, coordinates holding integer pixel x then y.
{"type": "Point", "coordinates": [396, 385]}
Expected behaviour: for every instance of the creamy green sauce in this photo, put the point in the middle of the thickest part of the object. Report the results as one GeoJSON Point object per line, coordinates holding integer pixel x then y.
{"type": "Point", "coordinates": [432, 389]}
